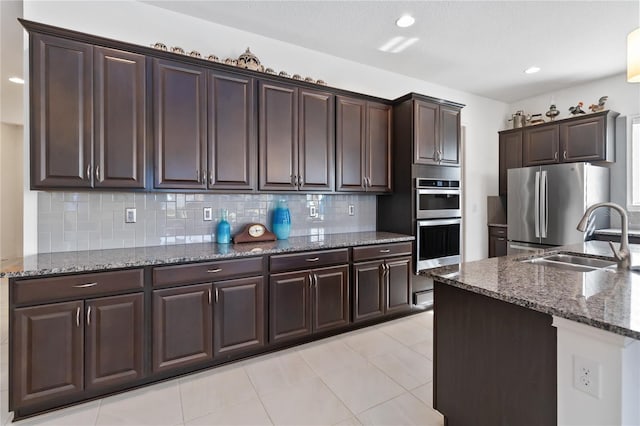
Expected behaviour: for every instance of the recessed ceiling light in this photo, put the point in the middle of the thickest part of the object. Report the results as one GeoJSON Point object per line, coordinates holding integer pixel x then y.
{"type": "Point", "coordinates": [405, 21]}
{"type": "Point", "coordinates": [532, 70]}
{"type": "Point", "coordinates": [16, 80]}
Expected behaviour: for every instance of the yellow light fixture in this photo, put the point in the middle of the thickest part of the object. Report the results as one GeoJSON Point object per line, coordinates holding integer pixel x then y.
{"type": "Point", "coordinates": [633, 56]}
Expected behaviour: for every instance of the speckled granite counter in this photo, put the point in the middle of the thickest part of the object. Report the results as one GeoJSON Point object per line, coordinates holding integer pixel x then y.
{"type": "Point", "coordinates": [608, 300]}
{"type": "Point", "coordinates": [100, 260]}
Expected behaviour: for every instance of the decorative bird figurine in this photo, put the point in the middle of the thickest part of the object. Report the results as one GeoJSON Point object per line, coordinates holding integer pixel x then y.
{"type": "Point", "coordinates": [577, 109]}
{"type": "Point", "coordinates": [600, 106]}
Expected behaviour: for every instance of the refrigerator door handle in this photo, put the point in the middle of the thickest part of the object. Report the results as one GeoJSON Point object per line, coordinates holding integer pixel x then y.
{"type": "Point", "coordinates": [544, 211]}
{"type": "Point", "coordinates": [536, 209]}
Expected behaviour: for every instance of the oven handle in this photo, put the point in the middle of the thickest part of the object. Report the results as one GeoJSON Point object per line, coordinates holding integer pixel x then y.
{"type": "Point", "coordinates": [425, 191]}
{"type": "Point", "coordinates": [435, 222]}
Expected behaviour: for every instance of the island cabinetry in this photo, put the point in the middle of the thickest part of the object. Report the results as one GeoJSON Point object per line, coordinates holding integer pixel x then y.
{"type": "Point", "coordinates": [88, 115]}
{"type": "Point", "coordinates": [503, 352]}
{"type": "Point", "coordinates": [363, 145]}
{"type": "Point", "coordinates": [297, 127]}
{"type": "Point", "coordinates": [510, 155]}
{"type": "Point", "coordinates": [305, 298]}
{"type": "Point", "coordinates": [381, 280]}
{"type": "Point", "coordinates": [497, 241]}
{"type": "Point", "coordinates": [201, 310]}
{"type": "Point", "coordinates": [60, 350]}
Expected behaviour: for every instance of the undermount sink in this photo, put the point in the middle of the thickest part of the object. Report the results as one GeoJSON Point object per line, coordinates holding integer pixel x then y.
{"type": "Point", "coordinates": [573, 262]}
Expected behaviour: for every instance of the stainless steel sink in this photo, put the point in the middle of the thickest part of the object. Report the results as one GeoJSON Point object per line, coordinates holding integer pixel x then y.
{"type": "Point", "coordinates": [573, 262]}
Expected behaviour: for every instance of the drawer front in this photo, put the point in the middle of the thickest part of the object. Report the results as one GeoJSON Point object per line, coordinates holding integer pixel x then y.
{"type": "Point", "coordinates": [206, 271]}
{"type": "Point", "coordinates": [380, 251]}
{"type": "Point", "coordinates": [312, 259]}
{"type": "Point", "coordinates": [76, 286]}
{"type": "Point", "coordinates": [497, 231]}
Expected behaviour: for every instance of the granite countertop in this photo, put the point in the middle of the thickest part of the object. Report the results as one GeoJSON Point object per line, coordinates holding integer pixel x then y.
{"type": "Point", "coordinates": [99, 260]}
{"type": "Point", "coordinates": [608, 300]}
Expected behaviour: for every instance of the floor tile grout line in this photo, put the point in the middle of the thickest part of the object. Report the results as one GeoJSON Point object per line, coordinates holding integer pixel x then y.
{"type": "Point", "coordinates": [181, 401]}
{"type": "Point", "coordinates": [95, 422]}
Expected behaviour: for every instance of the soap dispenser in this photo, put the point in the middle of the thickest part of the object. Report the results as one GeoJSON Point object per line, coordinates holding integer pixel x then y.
{"type": "Point", "coordinates": [223, 231]}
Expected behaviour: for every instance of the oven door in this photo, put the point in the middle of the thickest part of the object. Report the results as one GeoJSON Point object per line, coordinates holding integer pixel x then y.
{"type": "Point", "coordinates": [437, 243]}
{"type": "Point", "coordinates": [436, 203]}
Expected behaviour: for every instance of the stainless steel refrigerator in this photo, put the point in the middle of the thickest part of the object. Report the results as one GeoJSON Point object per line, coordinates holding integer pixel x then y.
{"type": "Point", "coordinates": [545, 203]}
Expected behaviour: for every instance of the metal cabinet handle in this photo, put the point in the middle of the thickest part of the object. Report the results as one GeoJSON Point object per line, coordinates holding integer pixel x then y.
{"type": "Point", "coordinates": [364, 182]}
{"type": "Point", "coordinates": [312, 259]}
{"type": "Point", "coordinates": [213, 271]}
{"type": "Point", "coordinates": [564, 155]}
{"type": "Point", "coordinates": [204, 177]}
{"type": "Point", "coordinates": [211, 178]}
{"type": "Point", "coordinates": [555, 156]}
{"type": "Point", "coordinates": [98, 172]}
{"type": "Point", "coordinates": [209, 295]}
{"type": "Point", "coordinates": [88, 171]}
{"type": "Point", "coordinates": [500, 239]}
{"type": "Point", "coordinates": [385, 250]}
{"type": "Point", "coordinates": [315, 280]}
{"type": "Point", "coordinates": [217, 295]}
{"type": "Point", "coordinates": [89, 315]}
{"type": "Point", "coordinates": [85, 285]}
{"type": "Point", "coordinates": [299, 181]}
{"type": "Point", "coordinates": [293, 180]}
{"type": "Point", "coordinates": [197, 175]}
{"type": "Point", "coordinates": [78, 316]}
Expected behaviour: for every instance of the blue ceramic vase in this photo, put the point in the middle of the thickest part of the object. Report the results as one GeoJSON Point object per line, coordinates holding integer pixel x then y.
{"type": "Point", "coordinates": [282, 220]}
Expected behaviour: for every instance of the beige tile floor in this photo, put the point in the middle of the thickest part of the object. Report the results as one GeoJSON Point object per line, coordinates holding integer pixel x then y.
{"type": "Point", "coordinates": [380, 375]}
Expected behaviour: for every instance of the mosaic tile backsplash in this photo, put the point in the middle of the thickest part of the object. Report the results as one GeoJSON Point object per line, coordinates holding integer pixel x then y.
{"type": "Point", "coordinates": [70, 221]}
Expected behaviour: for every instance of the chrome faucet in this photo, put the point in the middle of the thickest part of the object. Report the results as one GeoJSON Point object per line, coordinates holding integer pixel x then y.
{"type": "Point", "coordinates": [622, 255]}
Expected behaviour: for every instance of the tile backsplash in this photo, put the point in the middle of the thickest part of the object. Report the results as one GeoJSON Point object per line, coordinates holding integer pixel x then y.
{"type": "Point", "coordinates": [70, 221]}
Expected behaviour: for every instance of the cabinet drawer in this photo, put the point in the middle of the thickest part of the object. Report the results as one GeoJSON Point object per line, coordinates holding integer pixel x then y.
{"type": "Point", "coordinates": [76, 286]}
{"type": "Point", "coordinates": [312, 259]}
{"type": "Point", "coordinates": [381, 250]}
{"type": "Point", "coordinates": [206, 271]}
{"type": "Point", "coordinates": [497, 231]}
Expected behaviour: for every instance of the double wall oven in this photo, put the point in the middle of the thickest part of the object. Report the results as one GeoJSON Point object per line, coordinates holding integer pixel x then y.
{"type": "Point", "coordinates": [438, 220]}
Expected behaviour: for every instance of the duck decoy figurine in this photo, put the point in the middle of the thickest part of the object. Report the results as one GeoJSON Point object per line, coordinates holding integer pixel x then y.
{"type": "Point", "coordinates": [574, 110]}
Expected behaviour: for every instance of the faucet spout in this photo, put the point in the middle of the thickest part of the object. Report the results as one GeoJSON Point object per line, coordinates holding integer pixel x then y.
{"type": "Point", "coordinates": [622, 255]}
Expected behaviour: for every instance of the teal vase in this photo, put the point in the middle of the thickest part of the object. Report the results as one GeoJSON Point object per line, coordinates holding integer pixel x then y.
{"type": "Point", "coordinates": [223, 231]}
{"type": "Point", "coordinates": [281, 220]}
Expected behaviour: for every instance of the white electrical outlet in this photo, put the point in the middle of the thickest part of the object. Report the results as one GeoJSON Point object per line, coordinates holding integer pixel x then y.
{"type": "Point", "coordinates": [130, 215]}
{"type": "Point", "coordinates": [586, 376]}
{"type": "Point", "coordinates": [207, 214]}
{"type": "Point", "coordinates": [313, 211]}
{"type": "Point", "coordinates": [352, 210]}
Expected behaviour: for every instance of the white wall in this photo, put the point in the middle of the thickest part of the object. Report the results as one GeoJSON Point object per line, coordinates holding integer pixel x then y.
{"type": "Point", "coordinates": [145, 24]}
{"type": "Point", "coordinates": [10, 190]}
{"type": "Point", "coordinates": [624, 98]}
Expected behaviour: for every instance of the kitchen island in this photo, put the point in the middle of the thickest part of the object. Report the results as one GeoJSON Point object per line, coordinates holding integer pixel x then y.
{"type": "Point", "coordinates": [521, 343]}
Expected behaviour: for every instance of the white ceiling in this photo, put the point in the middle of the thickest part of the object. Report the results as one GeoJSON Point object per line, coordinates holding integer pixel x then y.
{"type": "Point", "coordinates": [480, 47]}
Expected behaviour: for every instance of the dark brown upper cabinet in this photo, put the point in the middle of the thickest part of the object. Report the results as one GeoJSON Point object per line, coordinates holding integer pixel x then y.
{"type": "Point", "coordinates": [119, 119]}
{"type": "Point", "coordinates": [436, 133]}
{"type": "Point", "coordinates": [363, 145]}
{"type": "Point", "coordinates": [180, 125]}
{"type": "Point", "coordinates": [232, 134]}
{"type": "Point", "coordinates": [61, 77]}
{"type": "Point", "coordinates": [449, 136]}
{"type": "Point", "coordinates": [88, 115]}
{"type": "Point", "coordinates": [296, 128]}
{"type": "Point", "coordinates": [510, 155]}
{"type": "Point", "coordinates": [540, 146]}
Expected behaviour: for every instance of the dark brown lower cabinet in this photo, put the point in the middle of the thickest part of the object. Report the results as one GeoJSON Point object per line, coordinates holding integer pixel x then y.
{"type": "Point", "coordinates": [182, 321]}
{"type": "Point", "coordinates": [497, 241]}
{"type": "Point", "coordinates": [309, 301]}
{"type": "Point", "coordinates": [381, 287]}
{"type": "Point", "coordinates": [494, 362]}
{"type": "Point", "coordinates": [48, 351]}
{"type": "Point", "coordinates": [238, 316]}
{"type": "Point", "coordinates": [114, 340]}
{"type": "Point", "coordinates": [61, 349]}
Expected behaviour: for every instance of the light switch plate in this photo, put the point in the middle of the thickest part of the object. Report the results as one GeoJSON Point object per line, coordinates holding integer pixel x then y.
{"type": "Point", "coordinates": [130, 215]}
{"type": "Point", "coordinates": [207, 214]}
{"type": "Point", "coordinates": [352, 210]}
{"type": "Point", "coordinates": [313, 211]}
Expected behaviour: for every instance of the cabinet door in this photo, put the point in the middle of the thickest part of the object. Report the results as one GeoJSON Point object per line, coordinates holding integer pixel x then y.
{"type": "Point", "coordinates": [278, 129]}
{"type": "Point", "coordinates": [289, 306]}
{"type": "Point", "coordinates": [540, 146]}
{"type": "Point", "coordinates": [232, 137]}
{"type": "Point", "coordinates": [497, 246]}
{"type": "Point", "coordinates": [61, 113]}
{"type": "Point", "coordinates": [583, 140]}
{"type": "Point", "coordinates": [378, 147]}
{"type": "Point", "coordinates": [350, 144]}
{"type": "Point", "coordinates": [120, 119]}
{"type": "Point", "coordinates": [48, 344]}
{"type": "Point", "coordinates": [449, 136]}
{"type": "Point", "coordinates": [425, 138]}
{"type": "Point", "coordinates": [238, 316]}
{"type": "Point", "coordinates": [180, 125]}
{"type": "Point", "coordinates": [115, 340]}
{"type": "Point", "coordinates": [330, 298]}
{"type": "Point", "coordinates": [510, 152]}
{"type": "Point", "coordinates": [316, 140]}
{"type": "Point", "coordinates": [368, 285]}
{"type": "Point", "coordinates": [398, 277]}
{"type": "Point", "coordinates": [181, 326]}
